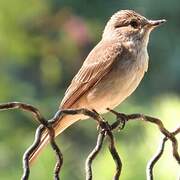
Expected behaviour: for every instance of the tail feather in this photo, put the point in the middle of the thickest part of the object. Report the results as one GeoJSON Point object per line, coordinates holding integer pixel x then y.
{"type": "Point", "coordinates": [43, 143]}
{"type": "Point", "coordinates": [63, 123]}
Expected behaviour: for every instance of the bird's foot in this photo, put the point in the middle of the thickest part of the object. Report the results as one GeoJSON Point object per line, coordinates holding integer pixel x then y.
{"type": "Point", "coordinates": [121, 120]}
{"type": "Point", "coordinates": [99, 119]}
{"type": "Point", "coordinates": [102, 125]}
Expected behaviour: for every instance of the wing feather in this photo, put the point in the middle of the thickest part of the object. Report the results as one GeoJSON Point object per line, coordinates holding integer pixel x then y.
{"type": "Point", "coordinates": [95, 67]}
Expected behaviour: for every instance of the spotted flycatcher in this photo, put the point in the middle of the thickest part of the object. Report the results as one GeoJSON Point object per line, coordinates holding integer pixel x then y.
{"type": "Point", "coordinates": [111, 71]}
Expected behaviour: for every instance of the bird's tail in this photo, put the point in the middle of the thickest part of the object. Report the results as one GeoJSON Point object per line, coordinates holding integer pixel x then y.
{"type": "Point", "coordinates": [62, 124]}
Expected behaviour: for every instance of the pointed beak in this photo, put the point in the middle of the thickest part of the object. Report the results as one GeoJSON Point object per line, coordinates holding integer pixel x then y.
{"type": "Point", "coordinates": [156, 23]}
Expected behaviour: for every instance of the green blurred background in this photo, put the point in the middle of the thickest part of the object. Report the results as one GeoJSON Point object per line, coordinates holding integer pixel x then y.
{"type": "Point", "coordinates": [42, 45]}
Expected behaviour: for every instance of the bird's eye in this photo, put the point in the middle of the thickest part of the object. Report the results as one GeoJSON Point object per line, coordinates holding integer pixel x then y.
{"type": "Point", "coordinates": [134, 24]}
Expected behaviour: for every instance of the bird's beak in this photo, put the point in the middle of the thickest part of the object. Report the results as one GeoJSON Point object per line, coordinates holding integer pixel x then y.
{"type": "Point", "coordinates": [155, 23]}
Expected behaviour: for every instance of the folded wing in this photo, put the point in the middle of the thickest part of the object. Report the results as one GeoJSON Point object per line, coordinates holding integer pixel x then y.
{"type": "Point", "coordinates": [95, 67]}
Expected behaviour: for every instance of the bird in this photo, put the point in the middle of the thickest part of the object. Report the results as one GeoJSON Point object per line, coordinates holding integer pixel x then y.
{"type": "Point", "coordinates": [110, 73]}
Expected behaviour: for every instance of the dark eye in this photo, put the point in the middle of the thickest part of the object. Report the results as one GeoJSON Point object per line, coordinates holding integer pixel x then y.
{"type": "Point", "coordinates": [134, 24]}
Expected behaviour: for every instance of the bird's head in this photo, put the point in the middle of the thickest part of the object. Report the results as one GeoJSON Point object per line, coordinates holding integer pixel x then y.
{"type": "Point", "coordinates": [128, 25]}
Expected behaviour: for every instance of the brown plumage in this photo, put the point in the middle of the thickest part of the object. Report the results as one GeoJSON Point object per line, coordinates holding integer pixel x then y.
{"type": "Point", "coordinates": [112, 70]}
{"type": "Point", "coordinates": [96, 66]}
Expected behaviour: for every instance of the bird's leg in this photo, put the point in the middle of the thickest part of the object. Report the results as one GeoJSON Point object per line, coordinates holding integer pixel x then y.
{"type": "Point", "coordinates": [121, 120]}
{"type": "Point", "coordinates": [98, 122]}
{"type": "Point", "coordinates": [102, 124]}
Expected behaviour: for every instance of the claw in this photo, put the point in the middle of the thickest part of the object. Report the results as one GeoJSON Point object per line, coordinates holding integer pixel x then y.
{"type": "Point", "coordinates": [121, 118]}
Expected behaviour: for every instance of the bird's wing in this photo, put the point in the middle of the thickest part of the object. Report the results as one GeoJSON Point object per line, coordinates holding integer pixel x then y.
{"type": "Point", "coordinates": [95, 67]}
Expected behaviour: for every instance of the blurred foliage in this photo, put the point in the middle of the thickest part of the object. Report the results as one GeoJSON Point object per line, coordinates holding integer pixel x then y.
{"type": "Point", "coordinates": [42, 45]}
